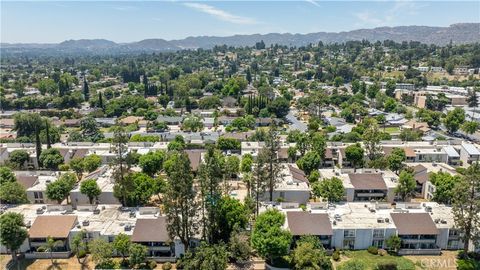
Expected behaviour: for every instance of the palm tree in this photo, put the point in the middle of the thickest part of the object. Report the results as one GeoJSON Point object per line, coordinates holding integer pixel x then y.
{"type": "Point", "coordinates": [78, 245]}
{"type": "Point", "coordinates": [50, 246]}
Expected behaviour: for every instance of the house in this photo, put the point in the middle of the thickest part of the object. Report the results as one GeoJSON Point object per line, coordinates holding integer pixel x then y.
{"type": "Point", "coordinates": [302, 223]}
{"type": "Point", "coordinates": [417, 232]}
{"type": "Point", "coordinates": [469, 153]}
{"type": "Point", "coordinates": [57, 227]}
{"type": "Point", "coordinates": [293, 186]}
{"type": "Point", "coordinates": [105, 181]}
{"type": "Point", "coordinates": [152, 233]}
{"type": "Point", "coordinates": [364, 184]}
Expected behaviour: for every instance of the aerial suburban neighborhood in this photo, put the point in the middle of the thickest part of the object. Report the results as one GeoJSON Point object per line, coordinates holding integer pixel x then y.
{"type": "Point", "coordinates": [243, 152]}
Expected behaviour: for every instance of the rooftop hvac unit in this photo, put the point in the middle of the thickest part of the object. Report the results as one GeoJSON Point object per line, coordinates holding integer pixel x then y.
{"type": "Point", "coordinates": [85, 223]}
{"type": "Point", "coordinates": [40, 211]}
{"type": "Point", "coordinates": [127, 227]}
{"type": "Point", "coordinates": [380, 220]}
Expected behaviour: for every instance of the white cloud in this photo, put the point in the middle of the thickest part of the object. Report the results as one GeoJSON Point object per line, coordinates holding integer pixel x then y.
{"type": "Point", "coordinates": [313, 2]}
{"type": "Point", "coordinates": [399, 9]}
{"type": "Point", "coordinates": [221, 14]}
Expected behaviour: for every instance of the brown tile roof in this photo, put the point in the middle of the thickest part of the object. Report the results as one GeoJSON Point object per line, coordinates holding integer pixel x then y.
{"type": "Point", "coordinates": [54, 226]}
{"type": "Point", "coordinates": [27, 181]}
{"type": "Point", "coordinates": [63, 152]}
{"type": "Point", "coordinates": [419, 168]}
{"type": "Point", "coordinates": [195, 157]}
{"type": "Point", "coordinates": [297, 174]}
{"type": "Point", "coordinates": [414, 223]}
{"type": "Point", "coordinates": [409, 152]}
{"type": "Point", "coordinates": [130, 120]}
{"type": "Point", "coordinates": [7, 122]}
{"type": "Point", "coordinates": [305, 223]}
{"type": "Point", "coordinates": [329, 153]}
{"type": "Point", "coordinates": [367, 181]}
{"type": "Point", "coordinates": [421, 178]}
{"type": "Point", "coordinates": [80, 153]}
{"type": "Point", "coordinates": [151, 230]}
{"type": "Point", "coordinates": [283, 153]}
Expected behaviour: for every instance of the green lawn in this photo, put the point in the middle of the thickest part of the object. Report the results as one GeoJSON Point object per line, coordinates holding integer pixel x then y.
{"type": "Point", "coordinates": [392, 130]}
{"type": "Point", "coordinates": [371, 261]}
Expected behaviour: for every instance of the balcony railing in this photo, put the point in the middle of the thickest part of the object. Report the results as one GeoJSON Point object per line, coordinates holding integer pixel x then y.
{"type": "Point", "coordinates": [430, 251]}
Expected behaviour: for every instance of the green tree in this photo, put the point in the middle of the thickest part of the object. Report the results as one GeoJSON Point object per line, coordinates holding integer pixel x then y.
{"type": "Point", "coordinates": [371, 138]}
{"type": "Point", "coordinates": [330, 189]}
{"type": "Point", "coordinates": [101, 251]}
{"type": "Point", "coordinates": [444, 186]}
{"type": "Point", "coordinates": [12, 232]}
{"type": "Point", "coordinates": [6, 175]}
{"type": "Point", "coordinates": [60, 189]}
{"type": "Point", "coordinates": [309, 162]}
{"type": "Point", "coordinates": [232, 215]}
{"type": "Point", "coordinates": [211, 175]}
{"type": "Point", "coordinates": [309, 254]}
{"type": "Point", "coordinates": [406, 185]}
{"type": "Point", "coordinates": [121, 244]}
{"type": "Point", "coordinates": [232, 166]}
{"type": "Point", "coordinates": [239, 247]}
{"type": "Point", "coordinates": [91, 162]}
{"type": "Point", "coordinates": [466, 205]}
{"type": "Point", "coordinates": [179, 200]}
{"type": "Point", "coordinates": [137, 255]}
{"type": "Point", "coordinates": [76, 164]}
{"type": "Point", "coordinates": [90, 189]}
{"type": "Point", "coordinates": [51, 158]}
{"type": "Point", "coordinates": [246, 163]}
{"type": "Point", "coordinates": [12, 193]}
{"type": "Point", "coordinates": [152, 162]}
{"type": "Point", "coordinates": [50, 246]}
{"type": "Point", "coordinates": [279, 106]}
{"type": "Point", "coordinates": [269, 239]}
{"type": "Point", "coordinates": [78, 245]}
{"type": "Point", "coordinates": [454, 119]}
{"type": "Point", "coordinates": [394, 243]}
{"type": "Point", "coordinates": [122, 185]}
{"type": "Point", "coordinates": [470, 127]}
{"type": "Point", "coordinates": [354, 153]}
{"type": "Point", "coordinates": [396, 158]}
{"type": "Point", "coordinates": [192, 123]}
{"type": "Point", "coordinates": [390, 88]}
{"type": "Point", "coordinates": [18, 158]}
{"type": "Point", "coordinates": [206, 257]}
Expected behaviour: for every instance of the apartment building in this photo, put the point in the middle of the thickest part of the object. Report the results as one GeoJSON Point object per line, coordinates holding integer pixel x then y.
{"type": "Point", "coordinates": [425, 228]}
{"type": "Point", "coordinates": [364, 184]}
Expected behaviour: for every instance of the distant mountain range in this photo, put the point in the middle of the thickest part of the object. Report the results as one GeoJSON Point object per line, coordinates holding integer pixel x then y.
{"type": "Point", "coordinates": [460, 33]}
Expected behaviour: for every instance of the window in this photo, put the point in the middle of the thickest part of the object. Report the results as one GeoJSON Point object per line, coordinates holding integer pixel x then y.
{"type": "Point", "coordinates": [348, 244]}
{"type": "Point", "coordinates": [378, 233]}
{"type": "Point", "coordinates": [349, 233]}
{"type": "Point", "coordinates": [453, 244]}
{"type": "Point", "coordinates": [38, 195]}
{"type": "Point", "coordinates": [453, 233]}
{"type": "Point", "coordinates": [377, 243]}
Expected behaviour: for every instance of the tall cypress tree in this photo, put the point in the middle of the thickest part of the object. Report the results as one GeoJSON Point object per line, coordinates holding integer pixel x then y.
{"type": "Point", "coordinates": [100, 100]}
{"type": "Point", "coordinates": [38, 145]}
{"type": "Point", "coordinates": [86, 90]}
{"type": "Point", "coordinates": [47, 130]}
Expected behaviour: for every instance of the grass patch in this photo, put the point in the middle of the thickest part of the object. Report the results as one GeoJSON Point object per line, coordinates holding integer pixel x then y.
{"type": "Point", "coordinates": [392, 130]}
{"type": "Point", "coordinates": [371, 261]}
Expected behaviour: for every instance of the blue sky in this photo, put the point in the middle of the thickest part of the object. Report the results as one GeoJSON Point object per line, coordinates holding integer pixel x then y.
{"type": "Point", "coordinates": [126, 21]}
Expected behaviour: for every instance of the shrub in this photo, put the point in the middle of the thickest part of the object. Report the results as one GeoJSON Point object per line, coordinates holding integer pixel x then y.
{"type": "Point", "coordinates": [82, 253]}
{"type": "Point", "coordinates": [63, 167]}
{"type": "Point", "coordinates": [167, 266]}
{"type": "Point", "coordinates": [336, 255]}
{"type": "Point", "coordinates": [372, 250]}
{"type": "Point", "coordinates": [353, 265]}
{"type": "Point", "coordinates": [382, 252]}
{"type": "Point", "coordinates": [152, 264]}
{"type": "Point", "coordinates": [387, 266]}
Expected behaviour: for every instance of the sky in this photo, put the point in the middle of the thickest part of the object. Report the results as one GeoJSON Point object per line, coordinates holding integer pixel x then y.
{"type": "Point", "coordinates": [126, 21]}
